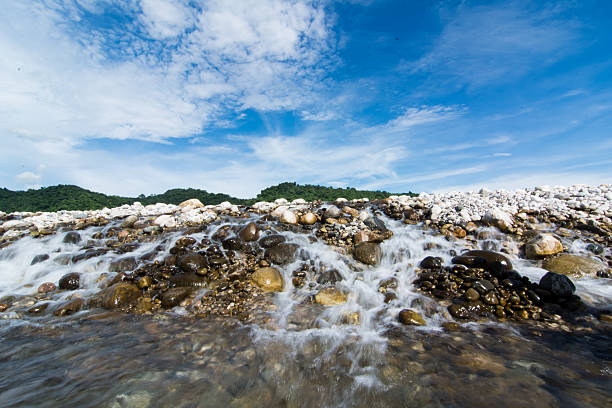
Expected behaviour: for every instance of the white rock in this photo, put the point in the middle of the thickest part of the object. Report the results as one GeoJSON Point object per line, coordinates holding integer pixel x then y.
{"type": "Point", "coordinates": [435, 212]}
{"type": "Point", "coordinates": [165, 221]}
{"type": "Point", "coordinates": [279, 211]}
{"type": "Point", "coordinates": [298, 201]}
{"type": "Point", "coordinates": [341, 200]}
{"type": "Point", "coordinates": [281, 201]}
{"type": "Point", "coordinates": [192, 202]}
{"type": "Point", "coordinates": [289, 217]}
{"type": "Point", "coordinates": [226, 205]}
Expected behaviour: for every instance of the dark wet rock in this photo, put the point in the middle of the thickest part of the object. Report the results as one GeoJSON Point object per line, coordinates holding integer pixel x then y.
{"type": "Point", "coordinates": [72, 237]}
{"type": "Point", "coordinates": [192, 262]}
{"type": "Point", "coordinates": [410, 317]}
{"type": "Point", "coordinates": [269, 279]}
{"type": "Point", "coordinates": [188, 279]}
{"type": "Point", "coordinates": [233, 243]}
{"type": "Point", "coordinates": [472, 294]}
{"type": "Point", "coordinates": [329, 276]}
{"type": "Point", "coordinates": [595, 248]}
{"type": "Point", "coordinates": [39, 258]}
{"type": "Point", "coordinates": [270, 241]}
{"type": "Point", "coordinates": [375, 224]}
{"type": "Point", "coordinates": [490, 298]}
{"type": "Point", "coordinates": [573, 265]}
{"type": "Point", "coordinates": [185, 242]}
{"type": "Point", "coordinates": [69, 307]}
{"type": "Point", "coordinates": [281, 254]}
{"type": "Point", "coordinates": [483, 286]}
{"type": "Point", "coordinates": [173, 297]}
{"type": "Point", "coordinates": [38, 308]}
{"type": "Point", "coordinates": [431, 262]}
{"type": "Point", "coordinates": [386, 284]}
{"type": "Point", "coordinates": [47, 287]}
{"type": "Point", "coordinates": [249, 233]}
{"type": "Point", "coordinates": [491, 257]}
{"type": "Point", "coordinates": [123, 265]}
{"type": "Point", "coordinates": [4, 306]}
{"type": "Point", "coordinates": [557, 284]}
{"type": "Point", "coordinates": [128, 247]}
{"type": "Point", "coordinates": [70, 281]}
{"type": "Point", "coordinates": [470, 261]}
{"type": "Point", "coordinates": [368, 253]}
{"type": "Point", "coordinates": [144, 282]}
{"type": "Point", "coordinates": [119, 296]}
{"type": "Point", "coordinates": [390, 296]}
{"type": "Point", "coordinates": [92, 253]}
{"type": "Point", "coordinates": [459, 311]}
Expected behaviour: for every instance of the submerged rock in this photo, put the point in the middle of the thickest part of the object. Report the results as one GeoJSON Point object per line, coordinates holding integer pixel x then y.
{"type": "Point", "coordinates": [249, 233]}
{"type": "Point", "coordinates": [192, 262]}
{"type": "Point", "coordinates": [39, 259]}
{"type": "Point", "coordinates": [542, 245]}
{"type": "Point", "coordinates": [119, 296]}
{"type": "Point", "coordinates": [69, 307]}
{"type": "Point", "coordinates": [173, 297]}
{"type": "Point", "coordinates": [331, 296]}
{"type": "Point", "coordinates": [270, 241]}
{"type": "Point", "coordinates": [557, 284]}
{"type": "Point", "coordinates": [269, 279]}
{"type": "Point", "coordinates": [410, 317]}
{"type": "Point", "coordinates": [47, 287]}
{"type": "Point", "coordinates": [573, 265]}
{"type": "Point", "coordinates": [368, 253]}
{"type": "Point", "coordinates": [72, 237]}
{"type": "Point", "coordinates": [70, 281]}
{"type": "Point", "coordinates": [281, 254]}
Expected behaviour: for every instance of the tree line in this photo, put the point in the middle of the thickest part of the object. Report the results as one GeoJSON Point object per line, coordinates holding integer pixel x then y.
{"type": "Point", "coordinates": [69, 197]}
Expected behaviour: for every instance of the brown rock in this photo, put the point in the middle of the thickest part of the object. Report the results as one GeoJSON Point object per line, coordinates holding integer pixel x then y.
{"type": "Point", "coordinates": [411, 317]}
{"type": "Point", "coordinates": [249, 233]}
{"type": "Point", "coordinates": [47, 287]}
{"type": "Point", "coordinates": [69, 307]}
{"type": "Point", "coordinates": [308, 219]}
{"type": "Point", "coordinates": [573, 265]}
{"type": "Point", "coordinates": [118, 296]}
{"type": "Point", "coordinates": [269, 279]}
{"type": "Point", "coordinates": [368, 253]}
{"type": "Point", "coordinates": [542, 245]}
{"type": "Point", "coordinates": [331, 296]}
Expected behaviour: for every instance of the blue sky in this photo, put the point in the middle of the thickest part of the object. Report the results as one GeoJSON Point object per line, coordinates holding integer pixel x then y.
{"type": "Point", "coordinates": [139, 96]}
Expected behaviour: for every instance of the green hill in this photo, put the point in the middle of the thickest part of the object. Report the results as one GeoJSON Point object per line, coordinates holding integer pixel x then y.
{"type": "Point", "coordinates": [68, 197]}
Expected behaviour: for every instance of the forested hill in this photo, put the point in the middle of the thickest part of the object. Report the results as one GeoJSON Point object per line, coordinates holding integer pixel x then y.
{"type": "Point", "coordinates": [67, 197]}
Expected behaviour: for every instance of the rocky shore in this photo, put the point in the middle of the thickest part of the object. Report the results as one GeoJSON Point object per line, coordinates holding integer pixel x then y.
{"type": "Point", "coordinates": [229, 260]}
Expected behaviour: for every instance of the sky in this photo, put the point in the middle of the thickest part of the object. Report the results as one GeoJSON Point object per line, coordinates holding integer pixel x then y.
{"type": "Point", "coordinates": [140, 96]}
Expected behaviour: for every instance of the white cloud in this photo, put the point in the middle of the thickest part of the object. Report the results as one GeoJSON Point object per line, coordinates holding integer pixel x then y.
{"type": "Point", "coordinates": [28, 177]}
{"type": "Point", "coordinates": [164, 18]}
{"type": "Point", "coordinates": [425, 114]}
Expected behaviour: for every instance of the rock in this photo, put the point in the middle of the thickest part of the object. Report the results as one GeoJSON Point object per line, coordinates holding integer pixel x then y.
{"type": "Point", "coordinates": [490, 298]}
{"type": "Point", "coordinates": [270, 241]}
{"type": "Point", "coordinates": [123, 265]}
{"type": "Point", "coordinates": [332, 212]}
{"type": "Point", "coordinates": [192, 262]}
{"type": "Point", "coordinates": [278, 211]}
{"type": "Point", "coordinates": [233, 243]}
{"type": "Point", "coordinates": [249, 233]}
{"type": "Point", "coordinates": [368, 253]}
{"type": "Point", "coordinates": [72, 237]}
{"type": "Point", "coordinates": [129, 221]}
{"type": "Point", "coordinates": [188, 279]}
{"type": "Point", "coordinates": [557, 284]}
{"type": "Point", "coordinates": [152, 229]}
{"type": "Point", "coordinates": [410, 317]}
{"type": "Point", "coordinates": [459, 311]}
{"type": "Point", "coordinates": [119, 296]}
{"type": "Point", "coordinates": [331, 296]}
{"type": "Point", "coordinates": [351, 211]}
{"type": "Point", "coordinates": [483, 286]}
{"type": "Point", "coordinates": [542, 245]}
{"type": "Point", "coordinates": [144, 282]}
{"type": "Point", "coordinates": [173, 297]}
{"type": "Point", "coordinates": [165, 221]}
{"type": "Point", "coordinates": [39, 259]}
{"type": "Point", "coordinates": [329, 276]}
{"type": "Point", "coordinates": [499, 218]}
{"type": "Point", "coordinates": [434, 212]}
{"type": "Point", "coordinates": [595, 248]}
{"type": "Point", "coordinates": [69, 307]}
{"type": "Point", "coordinates": [491, 257]}
{"type": "Point", "coordinates": [431, 262]}
{"type": "Point", "coordinates": [368, 236]}
{"type": "Point", "coordinates": [573, 265]}
{"type": "Point", "coordinates": [69, 281]}
{"type": "Point", "coordinates": [281, 254]}
{"type": "Point", "coordinates": [88, 254]}
{"type": "Point", "coordinates": [193, 203]}
{"type": "Point", "coordinates": [38, 308]}
{"type": "Point", "coordinates": [472, 295]}
{"type": "Point", "coordinates": [375, 224]}
{"type": "Point", "coordinates": [308, 219]}
{"type": "Point", "coordinates": [289, 217]}
{"type": "Point", "coordinates": [47, 287]}
{"type": "Point", "coordinates": [269, 279]}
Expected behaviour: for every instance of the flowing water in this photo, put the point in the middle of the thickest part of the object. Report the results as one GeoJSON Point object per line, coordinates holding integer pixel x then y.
{"type": "Point", "coordinates": [299, 354]}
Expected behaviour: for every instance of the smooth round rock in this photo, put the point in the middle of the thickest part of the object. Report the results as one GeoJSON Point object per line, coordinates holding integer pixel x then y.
{"type": "Point", "coordinates": [289, 217]}
{"type": "Point", "coordinates": [573, 265]}
{"type": "Point", "coordinates": [192, 262]}
{"type": "Point", "coordinates": [269, 279]}
{"type": "Point", "coordinates": [281, 254]}
{"type": "Point", "coordinates": [368, 253]}
{"type": "Point", "coordinates": [72, 237]}
{"type": "Point", "coordinates": [69, 307]}
{"type": "Point", "coordinates": [249, 233]}
{"type": "Point", "coordinates": [118, 296]}
{"type": "Point", "coordinates": [173, 297]}
{"type": "Point", "coordinates": [542, 246]}
{"type": "Point", "coordinates": [332, 212]}
{"type": "Point", "coordinates": [47, 287]}
{"type": "Point", "coordinates": [129, 221]}
{"type": "Point", "coordinates": [192, 202]}
{"type": "Point", "coordinates": [491, 257]}
{"type": "Point", "coordinates": [70, 281]}
{"type": "Point", "coordinates": [331, 297]}
{"type": "Point", "coordinates": [431, 262]}
{"type": "Point", "coordinates": [472, 294]}
{"type": "Point", "coordinates": [39, 259]}
{"type": "Point", "coordinates": [557, 284]}
{"type": "Point", "coordinates": [308, 219]}
{"type": "Point", "coordinates": [410, 317]}
{"type": "Point", "coordinates": [270, 241]}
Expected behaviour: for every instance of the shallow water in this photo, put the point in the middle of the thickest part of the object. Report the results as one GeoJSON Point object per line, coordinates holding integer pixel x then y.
{"type": "Point", "coordinates": [300, 354]}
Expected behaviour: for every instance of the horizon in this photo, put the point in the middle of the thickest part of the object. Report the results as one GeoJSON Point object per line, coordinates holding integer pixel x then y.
{"type": "Point", "coordinates": [141, 96]}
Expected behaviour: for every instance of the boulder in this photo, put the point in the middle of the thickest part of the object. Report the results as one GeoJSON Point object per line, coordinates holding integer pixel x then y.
{"type": "Point", "coordinates": [368, 253]}
{"type": "Point", "coordinates": [192, 262]}
{"type": "Point", "coordinates": [573, 265]}
{"type": "Point", "coordinates": [542, 246]}
{"type": "Point", "coordinates": [289, 217]}
{"type": "Point", "coordinates": [47, 287]}
{"type": "Point", "coordinates": [491, 258]}
{"type": "Point", "coordinates": [557, 284]}
{"type": "Point", "coordinates": [308, 218]}
{"type": "Point", "coordinates": [119, 296]}
{"type": "Point", "coordinates": [410, 317]}
{"type": "Point", "coordinates": [70, 281]}
{"type": "Point", "coordinates": [173, 297]}
{"type": "Point", "coordinates": [499, 218]}
{"type": "Point", "coordinates": [69, 307]}
{"type": "Point", "coordinates": [39, 259]}
{"type": "Point", "coordinates": [331, 296]}
{"type": "Point", "coordinates": [165, 221]}
{"type": "Point", "coordinates": [332, 212]}
{"type": "Point", "coordinates": [431, 262]}
{"type": "Point", "coordinates": [249, 233]}
{"type": "Point", "coordinates": [281, 254]}
{"type": "Point", "coordinates": [375, 224]}
{"type": "Point", "coordinates": [129, 221]}
{"type": "Point", "coordinates": [72, 237]}
{"type": "Point", "coordinates": [270, 241]}
{"type": "Point", "coordinates": [269, 279]}
{"type": "Point", "coordinates": [193, 203]}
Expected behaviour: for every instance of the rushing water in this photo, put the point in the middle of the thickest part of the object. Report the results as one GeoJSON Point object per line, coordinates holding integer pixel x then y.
{"type": "Point", "coordinates": [300, 354]}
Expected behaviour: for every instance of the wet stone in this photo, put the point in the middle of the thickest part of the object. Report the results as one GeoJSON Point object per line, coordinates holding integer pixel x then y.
{"type": "Point", "coordinates": [281, 254]}
{"type": "Point", "coordinates": [331, 296]}
{"type": "Point", "coordinates": [123, 265]}
{"type": "Point", "coordinates": [368, 253]}
{"type": "Point", "coordinates": [491, 257]}
{"type": "Point", "coordinates": [192, 262]}
{"type": "Point", "coordinates": [69, 307]}
{"type": "Point", "coordinates": [375, 224]}
{"type": "Point", "coordinates": [69, 281]}
{"type": "Point", "coordinates": [188, 279]}
{"type": "Point", "coordinates": [270, 241]}
{"type": "Point", "coordinates": [38, 308]}
{"type": "Point", "coordinates": [483, 286]}
{"type": "Point", "coordinates": [431, 262]}
{"type": "Point", "coordinates": [173, 297]}
{"type": "Point", "coordinates": [249, 233]}
{"type": "Point", "coordinates": [329, 276]}
{"type": "Point", "coordinates": [471, 294]}
{"type": "Point", "coordinates": [595, 249]}
{"type": "Point", "coordinates": [47, 287]}
{"type": "Point", "coordinates": [39, 258]}
{"type": "Point", "coordinates": [72, 237]}
{"type": "Point", "coordinates": [557, 284]}
{"type": "Point", "coordinates": [118, 296]}
{"type": "Point", "coordinates": [269, 279]}
{"type": "Point", "coordinates": [459, 311]}
{"type": "Point", "coordinates": [88, 254]}
{"type": "Point", "coordinates": [490, 298]}
{"type": "Point", "coordinates": [410, 317]}
{"type": "Point", "coordinates": [233, 243]}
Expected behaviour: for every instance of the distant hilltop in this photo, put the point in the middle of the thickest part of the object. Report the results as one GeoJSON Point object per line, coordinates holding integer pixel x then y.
{"type": "Point", "coordinates": [69, 197]}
